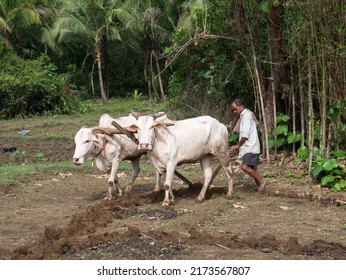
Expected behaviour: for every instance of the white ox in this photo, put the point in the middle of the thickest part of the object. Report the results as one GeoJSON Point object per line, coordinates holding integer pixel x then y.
{"type": "Point", "coordinates": [109, 151]}
{"type": "Point", "coordinates": [185, 141]}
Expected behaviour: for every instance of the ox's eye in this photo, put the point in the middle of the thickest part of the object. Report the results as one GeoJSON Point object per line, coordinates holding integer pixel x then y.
{"type": "Point", "coordinates": [87, 141]}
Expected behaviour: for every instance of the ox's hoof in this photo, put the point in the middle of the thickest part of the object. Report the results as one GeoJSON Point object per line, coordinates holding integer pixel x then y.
{"type": "Point", "coordinates": [229, 195]}
{"type": "Point", "coordinates": [165, 205]}
{"type": "Point", "coordinates": [200, 198]}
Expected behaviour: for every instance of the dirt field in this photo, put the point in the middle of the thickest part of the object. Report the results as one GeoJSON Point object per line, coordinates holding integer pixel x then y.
{"type": "Point", "coordinates": [59, 213]}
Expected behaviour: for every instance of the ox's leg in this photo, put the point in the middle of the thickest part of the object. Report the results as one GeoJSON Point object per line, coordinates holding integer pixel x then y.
{"type": "Point", "coordinates": [113, 180]}
{"type": "Point", "coordinates": [225, 161]}
{"type": "Point", "coordinates": [208, 172]}
{"type": "Point", "coordinates": [158, 180]}
{"type": "Point", "coordinates": [134, 174]}
{"type": "Point", "coordinates": [168, 185]}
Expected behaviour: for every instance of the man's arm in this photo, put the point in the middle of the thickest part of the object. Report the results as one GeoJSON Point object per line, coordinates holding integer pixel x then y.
{"type": "Point", "coordinates": [237, 146]}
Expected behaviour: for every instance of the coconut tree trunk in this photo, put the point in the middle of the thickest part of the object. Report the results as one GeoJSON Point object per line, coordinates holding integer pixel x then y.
{"type": "Point", "coordinates": [99, 66]}
{"type": "Point", "coordinates": [105, 56]}
{"type": "Point", "coordinates": [147, 77]}
{"type": "Point", "coordinates": [158, 69]}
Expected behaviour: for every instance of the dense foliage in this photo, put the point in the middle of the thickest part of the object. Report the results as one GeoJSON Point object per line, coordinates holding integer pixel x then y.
{"type": "Point", "coordinates": [30, 87]}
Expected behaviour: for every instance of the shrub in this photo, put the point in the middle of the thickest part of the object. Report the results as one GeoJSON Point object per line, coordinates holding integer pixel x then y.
{"type": "Point", "coordinates": [31, 87]}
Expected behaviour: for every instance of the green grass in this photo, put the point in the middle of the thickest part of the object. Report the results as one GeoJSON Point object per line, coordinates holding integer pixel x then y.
{"type": "Point", "coordinates": [13, 171]}
{"type": "Point", "coordinates": [122, 106]}
{"type": "Point", "coordinates": [312, 224]}
{"type": "Point", "coordinates": [144, 165]}
{"type": "Point", "coordinates": [10, 172]}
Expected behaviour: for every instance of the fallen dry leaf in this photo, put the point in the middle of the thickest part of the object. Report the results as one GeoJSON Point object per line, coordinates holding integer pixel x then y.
{"type": "Point", "coordinates": [237, 206]}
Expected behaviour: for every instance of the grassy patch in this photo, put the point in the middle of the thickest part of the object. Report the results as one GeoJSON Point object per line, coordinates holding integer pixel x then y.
{"type": "Point", "coordinates": [13, 171]}
{"type": "Point", "coordinates": [312, 224]}
{"type": "Point", "coordinates": [122, 106]}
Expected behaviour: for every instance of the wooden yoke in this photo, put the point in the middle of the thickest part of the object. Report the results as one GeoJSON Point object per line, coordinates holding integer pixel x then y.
{"type": "Point", "coordinates": [125, 131]}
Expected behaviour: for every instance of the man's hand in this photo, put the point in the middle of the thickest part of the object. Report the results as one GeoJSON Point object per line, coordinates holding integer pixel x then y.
{"type": "Point", "coordinates": [233, 148]}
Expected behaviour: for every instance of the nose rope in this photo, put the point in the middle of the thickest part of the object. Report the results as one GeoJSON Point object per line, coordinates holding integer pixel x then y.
{"type": "Point", "coordinates": [103, 146]}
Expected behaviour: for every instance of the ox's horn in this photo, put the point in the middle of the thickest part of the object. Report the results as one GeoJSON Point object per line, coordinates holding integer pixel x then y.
{"type": "Point", "coordinates": [159, 114]}
{"type": "Point", "coordinates": [169, 124]}
{"type": "Point", "coordinates": [105, 130]}
{"type": "Point", "coordinates": [136, 114]}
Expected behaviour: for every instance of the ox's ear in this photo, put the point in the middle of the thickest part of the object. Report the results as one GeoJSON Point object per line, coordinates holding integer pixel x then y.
{"type": "Point", "coordinates": [133, 128]}
{"type": "Point", "coordinates": [97, 143]}
{"type": "Point", "coordinates": [162, 125]}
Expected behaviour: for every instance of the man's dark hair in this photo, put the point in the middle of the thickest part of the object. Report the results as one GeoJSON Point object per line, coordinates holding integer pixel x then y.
{"type": "Point", "coordinates": [239, 102]}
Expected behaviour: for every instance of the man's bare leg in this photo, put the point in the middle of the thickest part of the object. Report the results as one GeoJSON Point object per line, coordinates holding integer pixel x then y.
{"type": "Point", "coordinates": [253, 172]}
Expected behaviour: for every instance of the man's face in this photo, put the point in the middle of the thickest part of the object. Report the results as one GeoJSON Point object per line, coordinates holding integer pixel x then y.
{"type": "Point", "coordinates": [237, 109]}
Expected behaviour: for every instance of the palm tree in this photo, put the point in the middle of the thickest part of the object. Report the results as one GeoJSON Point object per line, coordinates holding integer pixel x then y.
{"type": "Point", "coordinates": [150, 24]}
{"type": "Point", "coordinates": [91, 21]}
{"type": "Point", "coordinates": [17, 15]}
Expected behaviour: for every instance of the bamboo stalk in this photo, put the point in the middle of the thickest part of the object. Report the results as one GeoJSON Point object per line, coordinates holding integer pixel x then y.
{"type": "Point", "coordinates": [259, 85]}
{"type": "Point", "coordinates": [311, 134]}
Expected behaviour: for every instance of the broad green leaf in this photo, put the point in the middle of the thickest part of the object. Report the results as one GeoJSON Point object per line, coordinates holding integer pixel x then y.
{"type": "Point", "coordinates": [271, 143]}
{"type": "Point", "coordinates": [336, 187]}
{"type": "Point", "coordinates": [286, 118]}
{"type": "Point", "coordinates": [315, 151]}
{"type": "Point", "coordinates": [303, 152]}
{"type": "Point", "coordinates": [293, 138]}
{"type": "Point", "coordinates": [266, 6]}
{"type": "Point", "coordinates": [282, 129]}
{"type": "Point", "coordinates": [330, 164]}
{"type": "Point", "coordinates": [339, 154]}
{"type": "Point", "coordinates": [281, 141]}
{"type": "Point", "coordinates": [327, 179]}
{"type": "Point", "coordinates": [276, 3]}
{"type": "Point", "coordinates": [341, 185]}
{"type": "Point", "coordinates": [317, 171]}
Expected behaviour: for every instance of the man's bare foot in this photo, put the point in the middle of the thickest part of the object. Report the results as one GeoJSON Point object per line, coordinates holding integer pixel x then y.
{"type": "Point", "coordinates": [262, 186]}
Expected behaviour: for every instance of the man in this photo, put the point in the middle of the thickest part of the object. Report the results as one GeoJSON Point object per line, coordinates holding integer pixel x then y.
{"type": "Point", "coordinates": [248, 145]}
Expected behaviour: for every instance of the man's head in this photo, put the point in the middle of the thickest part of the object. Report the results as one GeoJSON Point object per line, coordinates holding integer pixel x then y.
{"type": "Point", "coordinates": [238, 106]}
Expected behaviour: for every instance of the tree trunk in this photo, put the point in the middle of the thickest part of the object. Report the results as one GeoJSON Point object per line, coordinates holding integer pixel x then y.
{"type": "Point", "coordinates": [105, 55]}
{"type": "Point", "coordinates": [99, 66]}
{"type": "Point", "coordinates": [147, 77]}
{"type": "Point", "coordinates": [158, 69]}
{"type": "Point", "coordinates": [275, 28]}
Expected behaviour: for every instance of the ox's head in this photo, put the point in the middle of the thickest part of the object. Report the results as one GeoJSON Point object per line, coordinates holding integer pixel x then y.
{"type": "Point", "coordinates": [145, 128]}
{"type": "Point", "coordinates": [87, 145]}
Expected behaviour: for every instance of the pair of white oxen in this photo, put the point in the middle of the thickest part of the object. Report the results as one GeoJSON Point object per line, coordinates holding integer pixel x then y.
{"type": "Point", "coordinates": [168, 144]}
